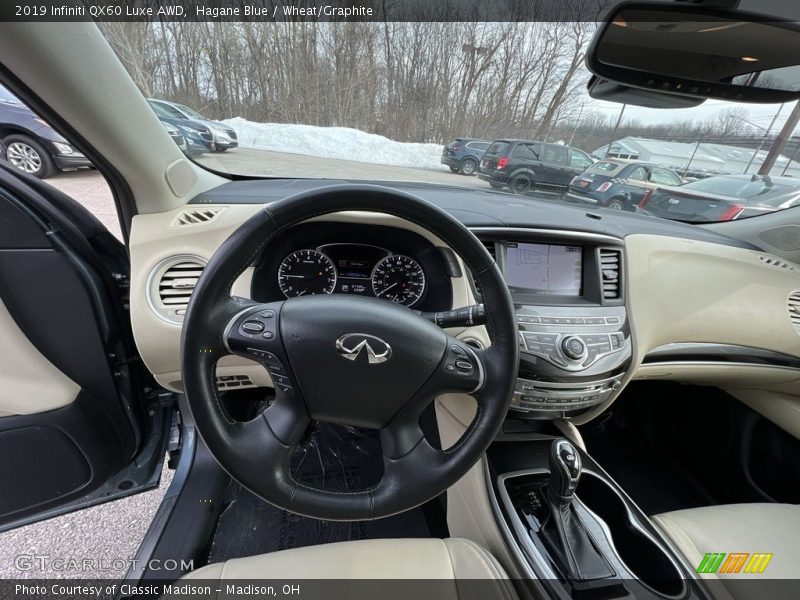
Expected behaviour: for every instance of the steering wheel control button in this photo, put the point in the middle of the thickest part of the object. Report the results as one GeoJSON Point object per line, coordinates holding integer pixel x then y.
{"type": "Point", "coordinates": [253, 326]}
{"type": "Point", "coordinates": [267, 314]}
{"type": "Point", "coordinates": [268, 335]}
{"type": "Point", "coordinates": [464, 366]}
{"type": "Point", "coordinates": [573, 347]}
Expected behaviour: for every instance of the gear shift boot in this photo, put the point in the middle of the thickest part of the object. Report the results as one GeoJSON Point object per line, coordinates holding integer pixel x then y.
{"type": "Point", "coordinates": [564, 529]}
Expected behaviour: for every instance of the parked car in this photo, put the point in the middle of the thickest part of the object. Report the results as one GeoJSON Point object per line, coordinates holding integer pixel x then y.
{"type": "Point", "coordinates": [223, 136]}
{"type": "Point", "coordinates": [522, 165]}
{"type": "Point", "coordinates": [463, 155]}
{"type": "Point", "coordinates": [190, 128]}
{"type": "Point", "coordinates": [722, 198]}
{"type": "Point", "coordinates": [189, 140]}
{"type": "Point", "coordinates": [31, 144]}
{"type": "Point", "coordinates": [619, 184]}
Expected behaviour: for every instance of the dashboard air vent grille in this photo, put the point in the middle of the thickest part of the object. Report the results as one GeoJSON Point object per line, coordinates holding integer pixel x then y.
{"type": "Point", "coordinates": [171, 286]}
{"type": "Point", "coordinates": [491, 247]}
{"type": "Point", "coordinates": [794, 309]}
{"type": "Point", "coordinates": [610, 269]}
{"type": "Point", "coordinates": [197, 216]}
{"type": "Point", "coordinates": [775, 262]}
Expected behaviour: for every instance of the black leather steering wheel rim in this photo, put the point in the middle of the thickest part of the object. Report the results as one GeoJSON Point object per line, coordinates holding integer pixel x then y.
{"type": "Point", "coordinates": [256, 453]}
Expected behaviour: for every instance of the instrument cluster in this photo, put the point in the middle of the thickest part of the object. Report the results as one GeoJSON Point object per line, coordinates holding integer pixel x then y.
{"type": "Point", "coordinates": [375, 261]}
{"type": "Point", "coordinates": [352, 268]}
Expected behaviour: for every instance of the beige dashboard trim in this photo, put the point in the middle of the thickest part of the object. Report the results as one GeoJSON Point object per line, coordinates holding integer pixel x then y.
{"type": "Point", "coordinates": [154, 239]}
{"type": "Point", "coordinates": [680, 290]}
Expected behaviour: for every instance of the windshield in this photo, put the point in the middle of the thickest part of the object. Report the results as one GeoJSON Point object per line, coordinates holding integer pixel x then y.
{"type": "Point", "coordinates": [189, 112]}
{"type": "Point", "coordinates": [385, 102]}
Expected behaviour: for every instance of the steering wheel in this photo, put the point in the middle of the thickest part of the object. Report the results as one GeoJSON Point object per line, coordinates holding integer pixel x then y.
{"type": "Point", "coordinates": [345, 359]}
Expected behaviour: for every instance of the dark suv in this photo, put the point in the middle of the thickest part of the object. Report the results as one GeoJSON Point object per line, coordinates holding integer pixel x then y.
{"type": "Point", "coordinates": [463, 155]}
{"type": "Point", "coordinates": [31, 144]}
{"type": "Point", "coordinates": [522, 165]}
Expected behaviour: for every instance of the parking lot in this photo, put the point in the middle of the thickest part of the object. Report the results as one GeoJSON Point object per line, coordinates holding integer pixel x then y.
{"type": "Point", "coordinates": [89, 188]}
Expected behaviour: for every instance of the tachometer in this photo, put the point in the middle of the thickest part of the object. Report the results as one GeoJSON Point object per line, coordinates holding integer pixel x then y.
{"type": "Point", "coordinates": [398, 278]}
{"type": "Point", "coordinates": [306, 272]}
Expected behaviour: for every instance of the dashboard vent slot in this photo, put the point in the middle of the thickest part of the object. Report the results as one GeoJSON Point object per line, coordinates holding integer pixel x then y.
{"type": "Point", "coordinates": [773, 261]}
{"type": "Point", "coordinates": [197, 216]}
{"type": "Point", "coordinates": [227, 382]}
{"type": "Point", "coordinates": [610, 269]}
{"type": "Point", "coordinates": [491, 247]}
{"type": "Point", "coordinates": [794, 309]}
{"type": "Point", "coordinates": [171, 285]}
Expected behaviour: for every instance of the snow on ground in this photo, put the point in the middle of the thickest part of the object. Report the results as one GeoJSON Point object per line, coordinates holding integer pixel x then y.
{"type": "Point", "coordinates": [335, 142]}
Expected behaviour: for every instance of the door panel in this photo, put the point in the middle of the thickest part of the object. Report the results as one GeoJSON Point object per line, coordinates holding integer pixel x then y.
{"type": "Point", "coordinates": [31, 384]}
{"type": "Point", "coordinates": [77, 428]}
{"type": "Point", "coordinates": [555, 160]}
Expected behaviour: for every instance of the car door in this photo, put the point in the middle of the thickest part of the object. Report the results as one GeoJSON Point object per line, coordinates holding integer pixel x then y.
{"type": "Point", "coordinates": [555, 169]}
{"type": "Point", "coordinates": [634, 183]}
{"type": "Point", "coordinates": [578, 161]}
{"type": "Point", "coordinates": [77, 426]}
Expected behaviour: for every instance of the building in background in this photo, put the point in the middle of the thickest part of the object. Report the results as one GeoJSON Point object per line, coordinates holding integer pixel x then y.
{"type": "Point", "coordinates": [698, 159]}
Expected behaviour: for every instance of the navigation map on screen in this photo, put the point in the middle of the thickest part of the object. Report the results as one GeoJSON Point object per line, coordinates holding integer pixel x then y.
{"type": "Point", "coordinates": [544, 268]}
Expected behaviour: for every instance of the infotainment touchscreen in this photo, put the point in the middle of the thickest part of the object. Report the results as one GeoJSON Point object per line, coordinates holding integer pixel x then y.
{"type": "Point", "coordinates": [546, 269]}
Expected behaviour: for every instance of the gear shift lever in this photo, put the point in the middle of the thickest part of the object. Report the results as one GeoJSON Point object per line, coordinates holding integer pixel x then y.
{"type": "Point", "coordinates": [581, 559]}
{"type": "Point", "coordinates": [565, 471]}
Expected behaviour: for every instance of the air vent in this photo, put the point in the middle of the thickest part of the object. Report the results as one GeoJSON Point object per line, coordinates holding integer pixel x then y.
{"type": "Point", "coordinates": [197, 216]}
{"type": "Point", "coordinates": [794, 310]}
{"type": "Point", "coordinates": [491, 247]}
{"type": "Point", "coordinates": [171, 284]}
{"type": "Point", "coordinates": [226, 382]}
{"type": "Point", "coordinates": [773, 261]}
{"type": "Point", "coordinates": [610, 269]}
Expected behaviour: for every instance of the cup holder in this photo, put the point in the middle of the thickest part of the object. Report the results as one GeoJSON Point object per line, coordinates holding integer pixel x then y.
{"type": "Point", "coordinates": [646, 559]}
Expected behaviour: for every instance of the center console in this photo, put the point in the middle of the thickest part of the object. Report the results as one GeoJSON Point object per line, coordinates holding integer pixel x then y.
{"type": "Point", "coordinates": [574, 337]}
{"type": "Point", "coordinates": [574, 531]}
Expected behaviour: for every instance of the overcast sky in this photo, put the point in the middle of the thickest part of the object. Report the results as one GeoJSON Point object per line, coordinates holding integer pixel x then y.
{"type": "Point", "coordinates": [759, 114]}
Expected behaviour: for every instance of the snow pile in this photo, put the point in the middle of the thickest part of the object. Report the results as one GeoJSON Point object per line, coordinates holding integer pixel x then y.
{"type": "Point", "coordinates": [335, 142]}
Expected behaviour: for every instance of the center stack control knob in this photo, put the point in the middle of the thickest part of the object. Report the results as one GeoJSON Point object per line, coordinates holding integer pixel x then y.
{"type": "Point", "coordinates": [573, 347]}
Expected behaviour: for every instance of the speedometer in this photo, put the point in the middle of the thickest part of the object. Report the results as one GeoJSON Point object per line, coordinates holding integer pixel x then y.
{"type": "Point", "coordinates": [306, 272]}
{"type": "Point", "coordinates": [398, 278]}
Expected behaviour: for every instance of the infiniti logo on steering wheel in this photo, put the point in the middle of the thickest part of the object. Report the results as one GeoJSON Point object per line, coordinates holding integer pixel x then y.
{"type": "Point", "coordinates": [350, 346]}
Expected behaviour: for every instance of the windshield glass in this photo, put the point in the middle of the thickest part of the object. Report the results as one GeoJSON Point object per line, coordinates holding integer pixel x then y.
{"type": "Point", "coordinates": [189, 112]}
{"type": "Point", "coordinates": [390, 102]}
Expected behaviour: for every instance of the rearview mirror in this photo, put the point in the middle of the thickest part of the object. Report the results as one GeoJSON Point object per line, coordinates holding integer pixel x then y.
{"type": "Point", "coordinates": [699, 51]}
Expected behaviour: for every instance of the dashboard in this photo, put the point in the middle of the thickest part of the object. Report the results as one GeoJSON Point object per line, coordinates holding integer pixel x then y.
{"type": "Point", "coordinates": [601, 299]}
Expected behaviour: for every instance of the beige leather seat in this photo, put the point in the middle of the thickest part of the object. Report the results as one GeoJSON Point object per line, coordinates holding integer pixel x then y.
{"type": "Point", "coordinates": [455, 559]}
{"type": "Point", "coordinates": [751, 528]}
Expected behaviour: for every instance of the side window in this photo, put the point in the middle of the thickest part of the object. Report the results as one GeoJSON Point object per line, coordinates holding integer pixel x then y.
{"type": "Point", "coordinates": [664, 177]}
{"type": "Point", "coordinates": [579, 159]}
{"type": "Point", "coordinates": [34, 147]}
{"type": "Point", "coordinates": [638, 174]}
{"type": "Point", "coordinates": [555, 154]}
{"type": "Point", "coordinates": [525, 152]}
{"type": "Point", "coordinates": [480, 146]}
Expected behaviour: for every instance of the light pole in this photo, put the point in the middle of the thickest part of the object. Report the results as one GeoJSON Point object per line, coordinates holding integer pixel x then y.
{"type": "Point", "coordinates": [763, 139]}
{"type": "Point", "coordinates": [577, 123]}
{"type": "Point", "coordinates": [616, 128]}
